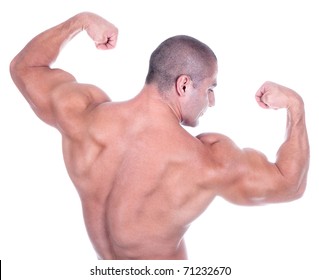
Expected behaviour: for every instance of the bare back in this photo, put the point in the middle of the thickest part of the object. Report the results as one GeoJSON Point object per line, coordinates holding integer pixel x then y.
{"type": "Point", "coordinates": [136, 177]}
{"type": "Point", "coordinates": [141, 177]}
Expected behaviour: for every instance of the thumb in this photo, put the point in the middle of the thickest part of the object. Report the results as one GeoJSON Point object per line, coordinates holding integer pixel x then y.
{"type": "Point", "coordinates": [265, 98]}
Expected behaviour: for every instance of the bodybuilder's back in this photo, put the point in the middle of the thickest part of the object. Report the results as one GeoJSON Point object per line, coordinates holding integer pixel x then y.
{"type": "Point", "coordinates": [138, 176]}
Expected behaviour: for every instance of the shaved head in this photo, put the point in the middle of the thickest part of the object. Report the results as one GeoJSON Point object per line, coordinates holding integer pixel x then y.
{"type": "Point", "coordinates": [179, 55]}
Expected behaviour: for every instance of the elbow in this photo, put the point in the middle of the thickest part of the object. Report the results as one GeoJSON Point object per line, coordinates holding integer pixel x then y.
{"type": "Point", "coordinates": [292, 185]}
{"type": "Point", "coordinates": [14, 67]}
{"type": "Point", "coordinates": [297, 194]}
{"type": "Point", "coordinates": [295, 190]}
{"type": "Point", "coordinates": [18, 67]}
{"type": "Point", "coordinates": [19, 71]}
{"type": "Point", "coordinates": [300, 190]}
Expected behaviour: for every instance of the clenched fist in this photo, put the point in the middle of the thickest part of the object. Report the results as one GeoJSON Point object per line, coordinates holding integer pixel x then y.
{"type": "Point", "coordinates": [275, 96]}
{"type": "Point", "coordinates": [102, 32]}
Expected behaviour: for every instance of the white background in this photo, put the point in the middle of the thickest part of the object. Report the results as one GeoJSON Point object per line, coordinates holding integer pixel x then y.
{"type": "Point", "coordinates": [42, 235]}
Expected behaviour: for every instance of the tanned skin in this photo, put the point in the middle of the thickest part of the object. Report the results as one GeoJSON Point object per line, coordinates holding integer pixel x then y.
{"type": "Point", "coordinates": [142, 179]}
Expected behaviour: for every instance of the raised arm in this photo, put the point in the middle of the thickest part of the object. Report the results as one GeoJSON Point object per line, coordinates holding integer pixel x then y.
{"type": "Point", "coordinates": [246, 176]}
{"type": "Point", "coordinates": [54, 94]}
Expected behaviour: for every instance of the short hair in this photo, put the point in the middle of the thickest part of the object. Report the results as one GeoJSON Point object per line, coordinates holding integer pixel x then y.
{"type": "Point", "coordinates": [176, 56]}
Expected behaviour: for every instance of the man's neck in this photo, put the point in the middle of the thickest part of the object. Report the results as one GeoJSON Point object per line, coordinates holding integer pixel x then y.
{"type": "Point", "coordinates": [164, 102]}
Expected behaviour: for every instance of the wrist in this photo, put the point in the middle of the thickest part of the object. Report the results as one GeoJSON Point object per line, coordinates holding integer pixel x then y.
{"type": "Point", "coordinates": [295, 99]}
{"type": "Point", "coordinates": [296, 110]}
{"type": "Point", "coordinates": [82, 20]}
{"type": "Point", "coordinates": [85, 19]}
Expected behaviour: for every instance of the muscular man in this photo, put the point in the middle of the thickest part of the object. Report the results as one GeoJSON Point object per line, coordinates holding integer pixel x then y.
{"type": "Point", "coordinates": [142, 179]}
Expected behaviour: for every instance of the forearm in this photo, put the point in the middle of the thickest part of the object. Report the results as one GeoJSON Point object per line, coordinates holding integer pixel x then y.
{"type": "Point", "coordinates": [43, 50]}
{"type": "Point", "coordinates": [293, 155]}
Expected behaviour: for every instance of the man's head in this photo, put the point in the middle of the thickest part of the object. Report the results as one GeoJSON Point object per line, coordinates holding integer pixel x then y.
{"type": "Point", "coordinates": [187, 67]}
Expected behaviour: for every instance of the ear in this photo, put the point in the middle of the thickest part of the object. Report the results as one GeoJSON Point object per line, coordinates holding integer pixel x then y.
{"type": "Point", "coordinates": [182, 84]}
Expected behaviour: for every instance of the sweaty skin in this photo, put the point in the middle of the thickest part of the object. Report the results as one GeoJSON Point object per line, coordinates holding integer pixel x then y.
{"type": "Point", "coordinates": [142, 179]}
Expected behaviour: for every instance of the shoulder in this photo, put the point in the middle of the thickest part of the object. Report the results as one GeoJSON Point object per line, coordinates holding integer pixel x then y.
{"type": "Point", "coordinates": [223, 151]}
{"type": "Point", "coordinates": [74, 104]}
{"type": "Point", "coordinates": [222, 155]}
{"type": "Point", "coordinates": [214, 138]}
